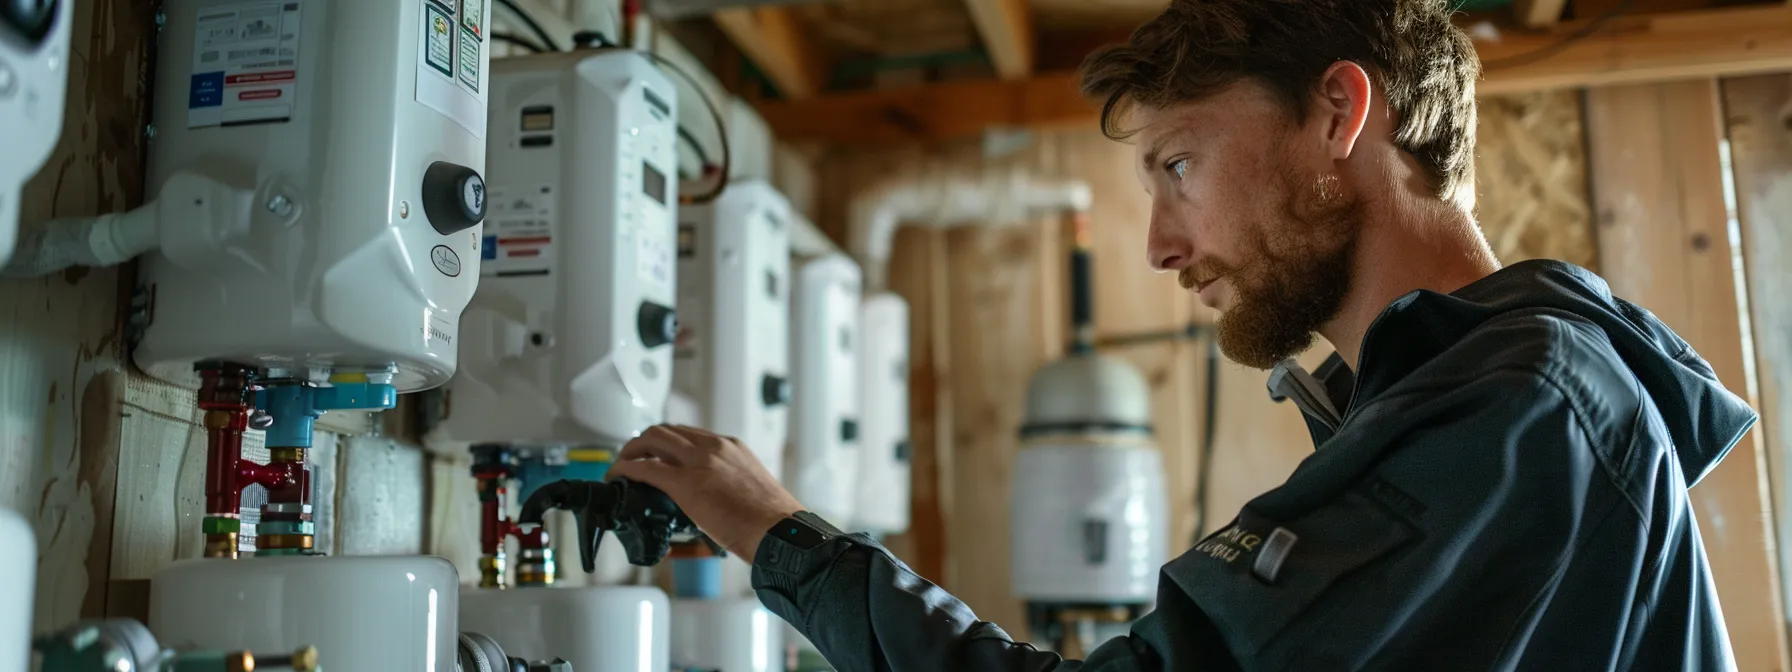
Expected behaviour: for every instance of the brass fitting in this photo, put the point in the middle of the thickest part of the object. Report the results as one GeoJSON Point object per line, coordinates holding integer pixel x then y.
{"type": "Point", "coordinates": [286, 454]}
{"type": "Point", "coordinates": [284, 541]}
{"type": "Point", "coordinates": [239, 661]}
{"type": "Point", "coordinates": [221, 545]}
{"type": "Point", "coordinates": [491, 571]}
{"type": "Point", "coordinates": [217, 419]}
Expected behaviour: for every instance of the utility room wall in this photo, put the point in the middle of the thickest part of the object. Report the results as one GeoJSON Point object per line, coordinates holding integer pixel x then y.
{"type": "Point", "coordinates": [990, 306]}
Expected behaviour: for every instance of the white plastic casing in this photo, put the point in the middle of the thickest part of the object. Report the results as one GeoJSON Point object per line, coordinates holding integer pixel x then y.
{"type": "Point", "coordinates": [733, 634]}
{"type": "Point", "coordinates": [364, 614]}
{"type": "Point", "coordinates": [882, 494]}
{"type": "Point", "coordinates": [327, 261]}
{"type": "Point", "coordinates": [607, 629]}
{"type": "Point", "coordinates": [552, 349]}
{"type": "Point", "coordinates": [734, 312]}
{"type": "Point", "coordinates": [821, 467]}
{"type": "Point", "coordinates": [33, 86]}
{"type": "Point", "coordinates": [1089, 522]}
{"type": "Point", "coordinates": [18, 582]}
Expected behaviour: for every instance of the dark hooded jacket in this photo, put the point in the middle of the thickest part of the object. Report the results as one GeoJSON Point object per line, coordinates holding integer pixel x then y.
{"type": "Point", "coordinates": [1506, 489]}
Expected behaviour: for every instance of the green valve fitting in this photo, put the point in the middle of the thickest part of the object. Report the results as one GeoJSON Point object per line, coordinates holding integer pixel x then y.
{"type": "Point", "coordinates": [221, 525]}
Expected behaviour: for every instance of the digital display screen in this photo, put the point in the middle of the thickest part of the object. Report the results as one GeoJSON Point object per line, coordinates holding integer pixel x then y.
{"type": "Point", "coordinates": [653, 183]}
{"type": "Point", "coordinates": [538, 118]}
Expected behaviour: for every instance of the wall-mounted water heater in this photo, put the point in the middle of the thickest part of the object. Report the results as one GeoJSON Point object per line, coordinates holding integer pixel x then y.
{"type": "Point", "coordinates": [621, 628]}
{"type": "Point", "coordinates": [734, 307]}
{"type": "Point", "coordinates": [882, 494]}
{"type": "Point", "coordinates": [331, 154]}
{"type": "Point", "coordinates": [569, 340]}
{"type": "Point", "coordinates": [33, 84]}
{"type": "Point", "coordinates": [821, 466]}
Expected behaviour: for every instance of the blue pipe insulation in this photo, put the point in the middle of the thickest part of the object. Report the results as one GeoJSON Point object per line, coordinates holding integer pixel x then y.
{"type": "Point", "coordinates": [699, 578]}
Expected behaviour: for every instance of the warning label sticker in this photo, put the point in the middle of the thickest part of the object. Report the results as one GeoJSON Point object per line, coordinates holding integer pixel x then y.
{"type": "Point", "coordinates": [451, 61]}
{"type": "Point", "coordinates": [245, 64]}
{"type": "Point", "coordinates": [655, 256]}
{"type": "Point", "coordinates": [519, 231]}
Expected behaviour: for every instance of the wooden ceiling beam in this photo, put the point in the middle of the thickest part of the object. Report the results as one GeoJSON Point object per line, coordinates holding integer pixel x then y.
{"type": "Point", "coordinates": [775, 41]}
{"type": "Point", "coordinates": [1006, 27]}
{"type": "Point", "coordinates": [1540, 13]}
{"type": "Point", "coordinates": [1710, 43]}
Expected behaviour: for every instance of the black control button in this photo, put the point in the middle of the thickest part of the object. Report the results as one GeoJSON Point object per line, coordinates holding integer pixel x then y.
{"type": "Point", "coordinates": [849, 431]}
{"type": "Point", "coordinates": [774, 390]}
{"type": "Point", "coordinates": [453, 197]}
{"type": "Point", "coordinates": [658, 324]}
{"type": "Point", "coordinates": [31, 19]}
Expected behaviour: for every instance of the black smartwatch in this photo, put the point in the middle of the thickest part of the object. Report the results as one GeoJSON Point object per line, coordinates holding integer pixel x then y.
{"type": "Point", "coordinates": [805, 530]}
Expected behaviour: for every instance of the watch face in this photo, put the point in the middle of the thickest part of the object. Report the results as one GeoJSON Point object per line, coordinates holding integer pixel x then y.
{"type": "Point", "coordinates": [802, 530]}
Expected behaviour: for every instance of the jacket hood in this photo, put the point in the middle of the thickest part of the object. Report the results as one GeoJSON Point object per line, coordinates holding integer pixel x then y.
{"type": "Point", "coordinates": [1704, 419]}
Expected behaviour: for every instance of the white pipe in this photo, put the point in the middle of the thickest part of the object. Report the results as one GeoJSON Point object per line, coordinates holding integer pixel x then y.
{"type": "Point", "coordinates": [994, 198]}
{"type": "Point", "coordinates": [48, 247]}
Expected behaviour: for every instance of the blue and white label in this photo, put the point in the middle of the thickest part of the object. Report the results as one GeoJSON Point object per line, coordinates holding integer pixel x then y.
{"type": "Point", "coordinates": [245, 63]}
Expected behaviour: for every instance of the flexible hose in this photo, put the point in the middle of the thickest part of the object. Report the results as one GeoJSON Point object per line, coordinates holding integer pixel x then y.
{"type": "Point", "coordinates": [48, 247]}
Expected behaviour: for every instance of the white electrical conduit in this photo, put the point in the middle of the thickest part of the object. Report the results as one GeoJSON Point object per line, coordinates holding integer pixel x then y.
{"type": "Point", "coordinates": [209, 213]}
{"type": "Point", "coordinates": [993, 198]}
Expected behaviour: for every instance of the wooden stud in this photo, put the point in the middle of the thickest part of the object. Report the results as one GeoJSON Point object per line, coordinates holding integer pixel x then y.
{"type": "Point", "coordinates": [1540, 13]}
{"type": "Point", "coordinates": [1006, 27]}
{"type": "Point", "coordinates": [776, 42]}
{"type": "Point", "coordinates": [1710, 43]}
{"type": "Point", "coordinates": [1664, 243]}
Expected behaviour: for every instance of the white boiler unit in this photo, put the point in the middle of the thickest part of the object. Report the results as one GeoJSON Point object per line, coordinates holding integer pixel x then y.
{"type": "Point", "coordinates": [821, 467]}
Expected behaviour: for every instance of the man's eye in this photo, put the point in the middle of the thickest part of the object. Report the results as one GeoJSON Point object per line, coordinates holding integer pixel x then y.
{"type": "Point", "coordinates": [1179, 168]}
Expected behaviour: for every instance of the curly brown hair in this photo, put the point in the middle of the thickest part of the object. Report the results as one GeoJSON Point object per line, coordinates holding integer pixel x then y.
{"type": "Point", "coordinates": [1423, 64]}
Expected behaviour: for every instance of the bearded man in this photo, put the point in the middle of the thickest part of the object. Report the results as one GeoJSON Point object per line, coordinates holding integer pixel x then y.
{"type": "Point", "coordinates": [1503, 454]}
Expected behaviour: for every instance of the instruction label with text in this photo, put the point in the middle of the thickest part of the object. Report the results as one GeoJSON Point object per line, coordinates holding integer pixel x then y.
{"type": "Point", "coordinates": [519, 231]}
{"type": "Point", "coordinates": [245, 64]}
{"type": "Point", "coordinates": [452, 58]}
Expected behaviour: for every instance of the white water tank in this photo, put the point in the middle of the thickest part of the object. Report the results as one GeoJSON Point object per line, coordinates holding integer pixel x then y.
{"type": "Point", "coordinates": [364, 614]}
{"type": "Point", "coordinates": [569, 339]}
{"type": "Point", "coordinates": [349, 138]}
{"type": "Point", "coordinates": [730, 634]}
{"type": "Point", "coordinates": [882, 493]}
{"type": "Point", "coordinates": [18, 583]}
{"type": "Point", "coordinates": [33, 85]}
{"type": "Point", "coordinates": [1090, 518]}
{"type": "Point", "coordinates": [734, 311]}
{"type": "Point", "coordinates": [598, 629]}
{"type": "Point", "coordinates": [821, 465]}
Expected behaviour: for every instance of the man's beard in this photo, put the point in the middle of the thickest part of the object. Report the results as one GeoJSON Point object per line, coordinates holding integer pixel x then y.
{"type": "Point", "coordinates": [1297, 277]}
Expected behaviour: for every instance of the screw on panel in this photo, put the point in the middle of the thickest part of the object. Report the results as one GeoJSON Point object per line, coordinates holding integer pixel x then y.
{"type": "Point", "coordinates": [261, 420]}
{"type": "Point", "coordinates": [280, 205]}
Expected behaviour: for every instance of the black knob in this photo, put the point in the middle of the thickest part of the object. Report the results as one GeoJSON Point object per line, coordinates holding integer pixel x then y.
{"type": "Point", "coordinates": [31, 19]}
{"type": "Point", "coordinates": [774, 390]}
{"type": "Point", "coordinates": [453, 197]}
{"type": "Point", "coordinates": [658, 324]}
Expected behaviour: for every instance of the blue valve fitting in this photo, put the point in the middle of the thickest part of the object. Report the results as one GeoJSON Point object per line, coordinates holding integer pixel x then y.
{"type": "Point", "coordinates": [295, 407]}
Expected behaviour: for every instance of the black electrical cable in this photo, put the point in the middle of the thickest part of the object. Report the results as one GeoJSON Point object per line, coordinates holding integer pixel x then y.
{"type": "Point", "coordinates": [507, 38]}
{"type": "Point", "coordinates": [530, 23]}
{"type": "Point", "coordinates": [1592, 27]}
{"type": "Point", "coordinates": [685, 135]}
{"type": "Point", "coordinates": [1209, 417]}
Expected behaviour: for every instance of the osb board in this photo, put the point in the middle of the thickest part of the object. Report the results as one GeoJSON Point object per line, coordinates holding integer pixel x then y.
{"type": "Point", "coordinates": [1531, 178]}
{"type": "Point", "coordinates": [60, 360]}
{"type": "Point", "coordinates": [1756, 110]}
{"type": "Point", "coordinates": [889, 27]}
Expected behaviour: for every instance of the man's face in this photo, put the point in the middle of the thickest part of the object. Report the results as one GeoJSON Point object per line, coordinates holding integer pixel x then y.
{"type": "Point", "coordinates": [1249, 212]}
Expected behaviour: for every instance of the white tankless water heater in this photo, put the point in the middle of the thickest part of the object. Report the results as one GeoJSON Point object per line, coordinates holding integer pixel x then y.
{"type": "Point", "coordinates": [332, 154]}
{"type": "Point", "coordinates": [734, 310]}
{"type": "Point", "coordinates": [600, 629]}
{"type": "Point", "coordinates": [569, 339]}
{"type": "Point", "coordinates": [33, 85]}
{"type": "Point", "coordinates": [1090, 518]}
{"type": "Point", "coordinates": [364, 614]}
{"type": "Point", "coordinates": [18, 583]}
{"type": "Point", "coordinates": [732, 634]}
{"type": "Point", "coordinates": [821, 467]}
{"type": "Point", "coordinates": [882, 493]}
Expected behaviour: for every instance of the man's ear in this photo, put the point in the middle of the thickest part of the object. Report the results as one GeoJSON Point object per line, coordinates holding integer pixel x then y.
{"type": "Point", "coordinates": [1345, 97]}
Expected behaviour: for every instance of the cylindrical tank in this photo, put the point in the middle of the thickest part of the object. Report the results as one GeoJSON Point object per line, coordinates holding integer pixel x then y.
{"type": "Point", "coordinates": [569, 339]}
{"type": "Point", "coordinates": [882, 493]}
{"type": "Point", "coordinates": [821, 465]}
{"type": "Point", "coordinates": [1089, 514]}
{"type": "Point", "coordinates": [601, 629]}
{"type": "Point", "coordinates": [364, 614]}
{"type": "Point", "coordinates": [352, 138]}
{"type": "Point", "coordinates": [732, 634]}
{"type": "Point", "coordinates": [18, 583]}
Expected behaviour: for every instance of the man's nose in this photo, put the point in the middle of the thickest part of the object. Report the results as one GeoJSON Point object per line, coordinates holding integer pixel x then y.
{"type": "Point", "coordinates": [1167, 247]}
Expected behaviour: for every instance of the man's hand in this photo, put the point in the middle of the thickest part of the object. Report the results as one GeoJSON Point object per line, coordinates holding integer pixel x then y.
{"type": "Point", "coordinates": [716, 481]}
